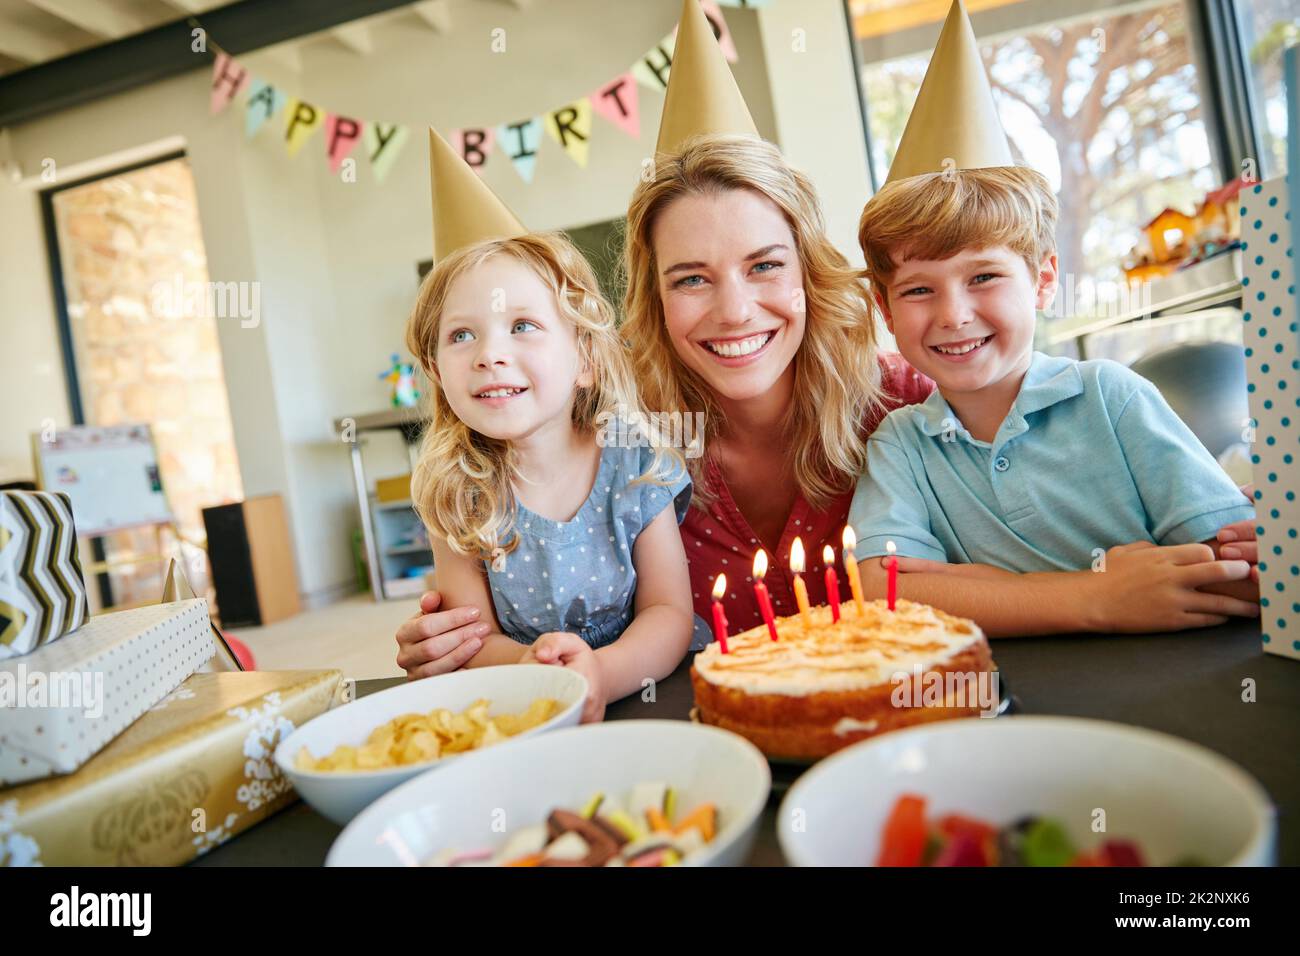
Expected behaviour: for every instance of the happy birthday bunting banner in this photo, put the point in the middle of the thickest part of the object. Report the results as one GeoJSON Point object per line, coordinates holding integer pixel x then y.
{"type": "Point", "coordinates": [301, 120]}
{"type": "Point", "coordinates": [474, 146]}
{"type": "Point", "coordinates": [616, 102]}
{"type": "Point", "coordinates": [264, 102]}
{"type": "Point", "coordinates": [228, 79]}
{"type": "Point", "coordinates": [520, 141]}
{"type": "Point", "coordinates": [652, 69]}
{"type": "Point", "coordinates": [341, 135]}
{"type": "Point", "coordinates": [570, 126]}
{"type": "Point", "coordinates": [383, 142]}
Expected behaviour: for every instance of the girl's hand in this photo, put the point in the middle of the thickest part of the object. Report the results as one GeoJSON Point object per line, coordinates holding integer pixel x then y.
{"type": "Point", "coordinates": [432, 643]}
{"type": "Point", "coordinates": [1236, 541]}
{"type": "Point", "coordinates": [915, 565]}
{"type": "Point", "coordinates": [569, 650]}
{"type": "Point", "coordinates": [1146, 587]}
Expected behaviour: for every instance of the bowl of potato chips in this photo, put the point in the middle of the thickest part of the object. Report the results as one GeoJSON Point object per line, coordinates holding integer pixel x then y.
{"type": "Point", "coordinates": [348, 757]}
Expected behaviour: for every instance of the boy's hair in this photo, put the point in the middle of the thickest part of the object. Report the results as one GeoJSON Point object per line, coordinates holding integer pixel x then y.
{"type": "Point", "coordinates": [461, 485]}
{"type": "Point", "coordinates": [937, 215]}
{"type": "Point", "coordinates": [837, 377]}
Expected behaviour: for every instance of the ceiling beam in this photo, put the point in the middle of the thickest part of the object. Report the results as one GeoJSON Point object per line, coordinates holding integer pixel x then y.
{"type": "Point", "coordinates": [98, 17]}
{"type": "Point", "coordinates": [436, 13]}
{"type": "Point", "coordinates": [30, 46]}
{"type": "Point", "coordinates": [354, 36]}
{"type": "Point", "coordinates": [159, 53]}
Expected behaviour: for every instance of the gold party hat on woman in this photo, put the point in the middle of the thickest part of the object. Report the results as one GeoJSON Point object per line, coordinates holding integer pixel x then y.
{"type": "Point", "coordinates": [954, 124]}
{"type": "Point", "coordinates": [702, 95]}
{"type": "Point", "coordinates": [465, 211]}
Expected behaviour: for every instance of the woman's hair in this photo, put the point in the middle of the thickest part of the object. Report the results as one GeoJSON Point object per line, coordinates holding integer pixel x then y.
{"type": "Point", "coordinates": [837, 381]}
{"type": "Point", "coordinates": [937, 215]}
{"type": "Point", "coordinates": [461, 485]}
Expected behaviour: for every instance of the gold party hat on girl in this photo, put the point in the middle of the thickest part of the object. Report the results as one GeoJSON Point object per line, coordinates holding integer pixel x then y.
{"type": "Point", "coordinates": [702, 95]}
{"type": "Point", "coordinates": [954, 124]}
{"type": "Point", "coordinates": [465, 211]}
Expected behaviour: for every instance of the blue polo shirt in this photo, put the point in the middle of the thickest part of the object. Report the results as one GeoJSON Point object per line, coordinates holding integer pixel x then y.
{"type": "Point", "coordinates": [1090, 456]}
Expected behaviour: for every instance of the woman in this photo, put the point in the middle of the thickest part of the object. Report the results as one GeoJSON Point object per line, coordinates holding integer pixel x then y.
{"type": "Point", "coordinates": [739, 306]}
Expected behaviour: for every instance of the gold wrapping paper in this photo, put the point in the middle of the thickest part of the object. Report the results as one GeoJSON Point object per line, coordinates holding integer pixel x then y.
{"type": "Point", "coordinates": [192, 772]}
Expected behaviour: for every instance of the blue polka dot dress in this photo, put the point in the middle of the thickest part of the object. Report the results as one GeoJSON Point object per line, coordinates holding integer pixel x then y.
{"type": "Point", "coordinates": [577, 575]}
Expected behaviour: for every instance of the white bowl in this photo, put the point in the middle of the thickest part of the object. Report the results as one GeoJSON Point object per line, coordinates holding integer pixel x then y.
{"type": "Point", "coordinates": [1172, 797]}
{"type": "Point", "coordinates": [511, 689]}
{"type": "Point", "coordinates": [479, 803]}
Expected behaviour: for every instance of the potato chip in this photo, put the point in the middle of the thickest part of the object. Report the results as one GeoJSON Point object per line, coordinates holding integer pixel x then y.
{"type": "Point", "coordinates": [419, 738]}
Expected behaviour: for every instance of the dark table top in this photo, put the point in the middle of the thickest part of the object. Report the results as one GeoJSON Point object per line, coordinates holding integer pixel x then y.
{"type": "Point", "coordinates": [1189, 684]}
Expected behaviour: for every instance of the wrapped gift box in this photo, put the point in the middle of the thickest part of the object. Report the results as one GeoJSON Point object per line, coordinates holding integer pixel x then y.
{"type": "Point", "coordinates": [64, 702]}
{"type": "Point", "coordinates": [1273, 371]}
{"type": "Point", "coordinates": [42, 591]}
{"type": "Point", "coordinates": [188, 775]}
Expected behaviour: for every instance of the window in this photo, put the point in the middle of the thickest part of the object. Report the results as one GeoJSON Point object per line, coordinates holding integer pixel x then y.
{"type": "Point", "coordinates": [1266, 28]}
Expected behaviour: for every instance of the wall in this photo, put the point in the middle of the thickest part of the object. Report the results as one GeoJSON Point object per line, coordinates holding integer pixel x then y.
{"type": "Point", "coordinates": [336, 261]}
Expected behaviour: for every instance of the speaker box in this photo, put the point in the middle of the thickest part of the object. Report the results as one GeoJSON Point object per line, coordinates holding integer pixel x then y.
{"type": "Point", "coordinates": [252, 562]}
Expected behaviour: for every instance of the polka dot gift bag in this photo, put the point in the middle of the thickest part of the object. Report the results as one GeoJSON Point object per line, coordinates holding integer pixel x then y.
{"type": "Point", "coordinates": [1272, 345]}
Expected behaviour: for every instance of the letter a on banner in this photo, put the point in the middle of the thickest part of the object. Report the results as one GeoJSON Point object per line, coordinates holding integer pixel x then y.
{"type": "Point", "coordinates": [473, 145]}
{"type": "Point", "coordinates": [341, 134]}
{"type": "Point", "coordinates": [301, 120]}
{"type": "Point", "coordinates": [570, 126]}
{"type": "Point", "coordinates": [519, 141]}
{"type": "Point", "coordinates": [383, 143]}
{"type": "Point", "coordinates": [616, 101]}
{"type": "Point", "coordinates": [228, 78]}
{"type": "Point", "coordinates": [264, 102]}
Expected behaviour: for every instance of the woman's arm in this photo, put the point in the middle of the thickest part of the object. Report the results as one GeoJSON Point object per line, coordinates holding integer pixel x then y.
{"type": "Point", "coordinates": [658, 637]}
{"type": "Point", "coordinates": [463, 583]}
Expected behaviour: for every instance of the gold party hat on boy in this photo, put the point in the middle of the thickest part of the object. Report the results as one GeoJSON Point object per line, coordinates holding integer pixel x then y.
{"type": "Point", "coordinates": [702, 95]}
{"type": "Point", "coordinates": [465, 211]}
{"type": "Point", "coordinates": [954, 124]}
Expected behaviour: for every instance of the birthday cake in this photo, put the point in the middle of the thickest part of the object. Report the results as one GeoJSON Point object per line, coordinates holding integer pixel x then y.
{"type": "Point", "coordinates": [823, 685]}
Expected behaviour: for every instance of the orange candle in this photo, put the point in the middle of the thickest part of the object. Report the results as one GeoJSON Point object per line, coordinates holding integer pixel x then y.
{"type": "Point", "coordinates": [832, 583]}
{"type": "Point", "coordinates": [760, 592]}
{"type": "Point", "coordinates": [851, 569]}
{"type": "Point", "coordinates": [800, 589]}
{"type": "Point", "coordinates": [719, 616]}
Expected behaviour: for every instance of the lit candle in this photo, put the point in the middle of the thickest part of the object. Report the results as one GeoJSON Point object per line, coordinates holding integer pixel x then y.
{"type": "Point", "coordinates": [891, 590]}
{"type": "Point", "coordinates": [719, 617]}
{"type": "Point", "coordinates": [800, 589]}
{"type": "Point", "coordinates": [760, 591]}
{"type": "Point", "coordinates": [851, 569]}
{"type": "Point", "coordinates": [832, 583]}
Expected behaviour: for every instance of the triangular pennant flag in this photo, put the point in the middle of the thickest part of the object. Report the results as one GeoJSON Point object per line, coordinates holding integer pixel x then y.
{"type": "Point", "coordinates": [954, 121]}
{"type": "Point", "coordinates": [264, 102]}
{"type": "Point", "coordinates": [474, 146]}
{"type": "Point", "coordinates": [300, 121]}
{"type": "Point", "coordinates": [570, 126]}
{"type": "Point", "coordinates": [383, 142]}
{"type": "Point", "coordinates": [720, 30]}
{"type": "Point", "coordinates": [519, 141]}
{"type": "Point", "coordinates": [616, 101]}
{"type": "Point", "coordinates": [341, 135]}
{"type": "Point", "coordinates": [228, 78]}
{"type": "Point", "coordinates": [652, 70]}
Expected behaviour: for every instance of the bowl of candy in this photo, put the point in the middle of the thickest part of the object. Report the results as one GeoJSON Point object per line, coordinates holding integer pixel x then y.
{"type": "Point", "coordinates": [350, 756]}
{"type": "Point", "coordinates": [1027, 791]}
{"type": "Point", "coordinates": [645, 793]}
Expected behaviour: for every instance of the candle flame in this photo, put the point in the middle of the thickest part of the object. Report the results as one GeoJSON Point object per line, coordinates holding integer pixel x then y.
{"type": "Point", "coordinates": [889, 546]}
{"type": "Point", "coordinates": [719, 587]}
{"type": "Point", "coordinates": [796, 556]}
{"type": "Point", "coordinates": [760, 564]}
{"type": "Point", "coordinates": [828, 555]}
{"type": "Point", "coordinates": [849, 538]}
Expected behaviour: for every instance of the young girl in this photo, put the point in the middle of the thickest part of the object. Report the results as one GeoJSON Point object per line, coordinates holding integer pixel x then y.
{"type": "Point", "coordinates": [564, 543]}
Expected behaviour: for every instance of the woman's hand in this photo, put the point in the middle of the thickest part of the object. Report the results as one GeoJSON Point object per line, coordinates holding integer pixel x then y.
{"type": "Point", "coordinates": [438, 642]}
{"type": "Point", "coordinates": [569, 650]}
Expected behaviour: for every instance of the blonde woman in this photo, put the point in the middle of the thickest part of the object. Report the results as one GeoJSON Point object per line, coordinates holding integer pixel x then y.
{"type": "Point", "coordinates": [563, 544]}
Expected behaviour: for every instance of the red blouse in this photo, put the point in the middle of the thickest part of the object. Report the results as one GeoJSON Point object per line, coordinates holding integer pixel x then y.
{"type": "Point", "coordinates": [721, 540]}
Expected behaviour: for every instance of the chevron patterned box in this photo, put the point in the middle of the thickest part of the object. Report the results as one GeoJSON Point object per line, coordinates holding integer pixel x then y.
{"type": "Point", "coordinates": [62, 703]}
{"type": "Point", "coordinates": [42, 591]}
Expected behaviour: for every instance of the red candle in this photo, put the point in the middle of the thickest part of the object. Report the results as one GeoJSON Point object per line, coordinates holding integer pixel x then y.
{"type": "Point", "coordinates": [891, 590]}
{"type": "Point", "coordinates": [760, 592]}
{"type": "Point", "coordinates": [832, 583]}
{"type": "Point", "coordinates": [719, 617]}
